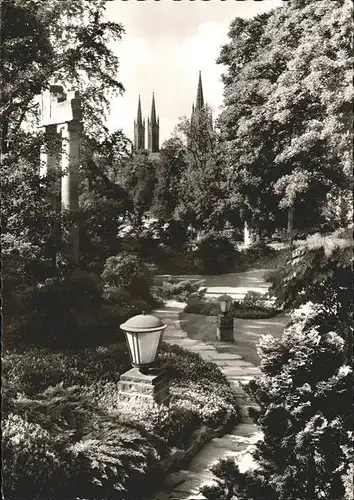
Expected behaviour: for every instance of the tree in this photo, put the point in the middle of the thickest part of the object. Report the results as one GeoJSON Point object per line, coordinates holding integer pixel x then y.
{"type": "Point", "coordinates": [55, 41]}
{"type": "Point", "coordinates": [204, 193]}
{"type": "Point", "coordinates": [169, 171]}
{"type": "Point", "coordinates": [286, 120]}
{"type": "Point", "coordinates": [104, 204]}
{"type": "Point", "coordinates": [46, 42]}
{"type": "Point", "coordinates": [139, 182]}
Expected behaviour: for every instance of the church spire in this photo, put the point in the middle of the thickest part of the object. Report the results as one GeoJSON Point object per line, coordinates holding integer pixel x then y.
{"type": "Point", "coordinates": [200, 98]}
{"type": "Point", "coordinates": [153, 129]}
{"type": "Point", "coordinates": [139, 129]}
{"type": "Point", "coordinates": [153, 110]}
{"type": "Point", "coordinates": [139, 114]}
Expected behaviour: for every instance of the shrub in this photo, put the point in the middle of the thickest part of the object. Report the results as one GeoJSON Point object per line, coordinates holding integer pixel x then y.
{"type": "Point", "coordinates": [127, 273]}
{"type": "Point", "coordinates": [216, 253]}
{"type": "Point", "coordinates": [247, 310]}
{"type": "Point", "coordinates": [180, 290]}
{"type": "Point", "coordinates": [184, 365]}
{"type": "Point", "coordinates": [33, 371]}
{"type": "Point", "coordinates": [251, 300]}
{"type": "Point", "coordinates": [177, 261]}
{"type": "Point", "coordinates": [76, 445]}
{"type": "Point", "coordinates": [205, 307]}
{"type": "Point", "coordinates": [263, 256]}
{"type": "Point", "coordinates": [31, 462]}
{"type": "Point", "coordinates": [93, 445]}
{"type": "Point", "coordinates": [60, 312]}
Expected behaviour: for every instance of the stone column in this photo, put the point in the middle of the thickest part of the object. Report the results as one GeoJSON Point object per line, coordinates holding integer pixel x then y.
{"type": "Point", "coordinates": [248, 238]}
{"type": "Point", "coordinates": [50, 155]}
{"type": "Point", "coordinates": [70, 163]}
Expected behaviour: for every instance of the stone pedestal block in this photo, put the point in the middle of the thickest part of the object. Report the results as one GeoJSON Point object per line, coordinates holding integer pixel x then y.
{"type": "Point", "coordinates": [225, 328]}
{"type": "Point", "coordinates": [155, 386]}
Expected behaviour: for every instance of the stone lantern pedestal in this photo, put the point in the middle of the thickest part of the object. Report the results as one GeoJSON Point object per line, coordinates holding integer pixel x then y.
{"type": "Point", "coordinates": [225, 328]}
{"type": "Point", "coordinates": [135, 385]}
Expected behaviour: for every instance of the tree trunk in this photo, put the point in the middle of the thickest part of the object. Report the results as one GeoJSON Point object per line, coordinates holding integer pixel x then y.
{"type": "Point", "coordinates": [290, 229]}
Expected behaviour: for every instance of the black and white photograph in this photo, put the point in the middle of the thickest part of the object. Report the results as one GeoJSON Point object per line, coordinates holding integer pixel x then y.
{"type": "Point", "coordinates": [176, 249]}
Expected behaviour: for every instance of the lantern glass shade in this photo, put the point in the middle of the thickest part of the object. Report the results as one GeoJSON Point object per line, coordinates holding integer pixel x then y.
{"type": "Point", "coordinates": [225, 302]}
{"type": "Point", "coordinates": [144, 335]}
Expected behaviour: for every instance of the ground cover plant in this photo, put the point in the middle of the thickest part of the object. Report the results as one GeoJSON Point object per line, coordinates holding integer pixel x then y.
{"type": "Point", "coordinates": [63, 423]}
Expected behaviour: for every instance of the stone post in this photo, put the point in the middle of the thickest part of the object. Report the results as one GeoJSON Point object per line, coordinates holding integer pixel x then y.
{"type": "Point", "coordinates": [50, 161]}
{"type": "Point", "coordinates": [61, 112]}
{"type": "Point", "coordinates": [134, 385]}
{"type": "Point", "coordinates": [70, 163]}
{"type": "Point", "coordinates": [248, 238]}
{"type": "Point", "coordinates": [225, 328]}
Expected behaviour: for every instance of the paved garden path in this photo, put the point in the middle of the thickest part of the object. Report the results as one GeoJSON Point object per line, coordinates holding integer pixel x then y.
{"type": "Point", "coordinates": [185, 484]}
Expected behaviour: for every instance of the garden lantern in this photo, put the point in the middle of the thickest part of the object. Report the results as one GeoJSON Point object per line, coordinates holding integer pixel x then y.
{"type": "Point", "coordinates": [144, 335]}
{"type": "Point", "coordinates": [225, 302]}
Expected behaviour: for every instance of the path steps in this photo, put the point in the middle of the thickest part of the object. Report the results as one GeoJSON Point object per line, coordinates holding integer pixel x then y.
{"type": "Point", "coordinates": [185, 484]}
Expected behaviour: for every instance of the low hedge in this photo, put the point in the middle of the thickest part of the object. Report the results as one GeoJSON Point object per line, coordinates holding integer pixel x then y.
{"type": "Point", "coordinates": [210, 308]}
{"type": "Point", "coordinates": [177, 289]}
{"type": "Point", "coordinates": [79, 436]}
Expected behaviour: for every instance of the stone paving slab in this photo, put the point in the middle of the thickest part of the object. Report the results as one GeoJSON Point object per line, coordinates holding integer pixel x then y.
{"type": "Point", "coordinates": [226, 356]}
{"type": "Point", "coordinates": [206, 355]}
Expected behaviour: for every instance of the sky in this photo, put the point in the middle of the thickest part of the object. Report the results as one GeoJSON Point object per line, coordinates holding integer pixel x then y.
{"type": "Point", "coordinates": [165, 45]}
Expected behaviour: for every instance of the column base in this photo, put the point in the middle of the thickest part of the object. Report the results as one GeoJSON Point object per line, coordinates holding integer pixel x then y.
{"type": "Point", "coordinates": [145, 386]}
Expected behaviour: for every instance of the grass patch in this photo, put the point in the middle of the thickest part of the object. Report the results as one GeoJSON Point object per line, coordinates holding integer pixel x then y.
{"type": "Point", "coordinates": [200, 327]}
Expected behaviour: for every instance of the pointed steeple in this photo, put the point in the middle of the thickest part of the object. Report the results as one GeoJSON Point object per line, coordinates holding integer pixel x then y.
{"type": "Point", "coordinates": [139, 114]}
{"type": "Point", "coordinates": [153, 129]}
{"type": "Point", "coordinates": [200, 98]}
{"type": "Point", "coordinates": [153, 110]}
{"type": "Point", "coordinates": [139, 129]}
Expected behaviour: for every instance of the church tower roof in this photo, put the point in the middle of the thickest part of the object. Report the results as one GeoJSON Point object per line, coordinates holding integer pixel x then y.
{"type": "Point", "coordinates": [200, 98]}
{"type": "Point", "coordinates": [139, 129]}
{"type": "Point", "coordinates": [139, 114]}
{"type": "Point", "coordinates": [153, 110]}
{"type": "Point", "coordinates": [153, 129]}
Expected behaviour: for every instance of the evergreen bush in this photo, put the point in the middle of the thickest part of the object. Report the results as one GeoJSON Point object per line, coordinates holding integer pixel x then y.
{"type": "Point", "coordinates": [216, 253]}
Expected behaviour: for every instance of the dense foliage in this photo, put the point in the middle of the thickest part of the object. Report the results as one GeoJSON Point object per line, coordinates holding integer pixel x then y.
{"type": "Point", "coordinates": [63, 423]}
{"type": "Point", "coordinates": [304, 392]}
{"type": "Point", "coordinates": [76, 309]}
{"type": "Point", "coordinates": [304, 396]}
{"type": "Point", "coordinates": [49, 41]}
{"type": "Point", "coordinates": [320, 272]}
{"type": "Point", "coordinates": [287, 120]}
{"type": "Point", "coordinates": [253, 306]}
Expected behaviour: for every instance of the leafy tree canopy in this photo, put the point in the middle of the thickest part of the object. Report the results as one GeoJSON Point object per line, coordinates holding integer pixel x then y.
{"type": "Point", "coordinates": [287, 120]}
{"type": "Point", "coordinates": [56, 41]}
